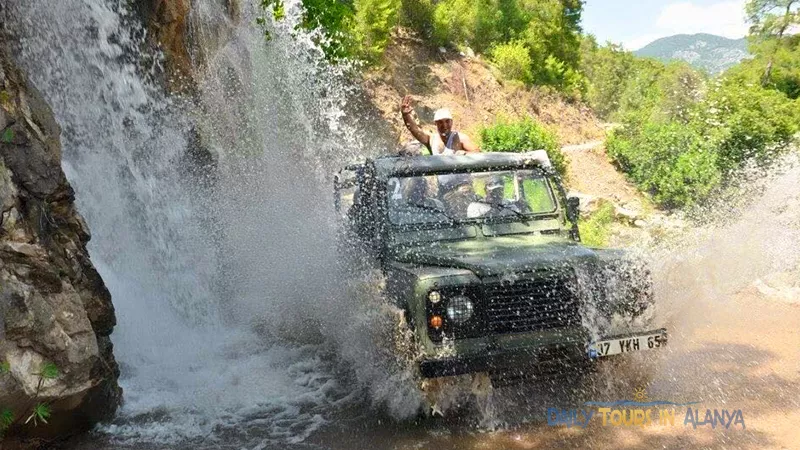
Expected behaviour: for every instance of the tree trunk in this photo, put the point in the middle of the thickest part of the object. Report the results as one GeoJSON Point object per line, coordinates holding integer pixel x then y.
{"type": "Point", "coordinates": [784, 26]}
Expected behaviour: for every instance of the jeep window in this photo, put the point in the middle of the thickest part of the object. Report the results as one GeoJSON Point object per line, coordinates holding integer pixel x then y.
{"type": "Point", "coordinates": [457, 197]}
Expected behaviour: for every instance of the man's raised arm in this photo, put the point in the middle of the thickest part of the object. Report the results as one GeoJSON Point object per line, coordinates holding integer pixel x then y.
{"type": "Point", "coordinates": [416, 131]}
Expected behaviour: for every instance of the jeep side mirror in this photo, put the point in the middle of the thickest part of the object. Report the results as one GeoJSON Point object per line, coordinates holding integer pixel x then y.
{"type": "Point", "coordinates": [573, 209]}
{"type": "Point", "coordinates": [344, 187]}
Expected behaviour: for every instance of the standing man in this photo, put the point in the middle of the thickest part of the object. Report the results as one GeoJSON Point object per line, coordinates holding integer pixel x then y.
{"type": "Point", "coordinates": [445, 141]}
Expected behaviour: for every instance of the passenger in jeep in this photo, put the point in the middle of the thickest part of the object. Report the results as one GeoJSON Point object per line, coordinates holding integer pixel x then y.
{"type": "Point", "coordinates": [444, 141]}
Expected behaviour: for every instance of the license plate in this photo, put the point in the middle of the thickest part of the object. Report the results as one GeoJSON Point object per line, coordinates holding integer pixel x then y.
{"type": "Point", "coordinates": [626, 345]}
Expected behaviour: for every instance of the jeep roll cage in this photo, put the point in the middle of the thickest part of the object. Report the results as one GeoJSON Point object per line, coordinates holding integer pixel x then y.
{"type": "Point", "coordinates": [370, 209]}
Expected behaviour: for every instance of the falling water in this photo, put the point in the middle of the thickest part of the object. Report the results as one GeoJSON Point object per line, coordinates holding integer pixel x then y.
{"type": "Point", "coordinates": [222, 273]}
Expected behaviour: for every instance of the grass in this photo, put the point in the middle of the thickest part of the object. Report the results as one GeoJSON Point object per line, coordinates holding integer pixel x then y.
{"type": "Point", "coordinates": [596, 229]}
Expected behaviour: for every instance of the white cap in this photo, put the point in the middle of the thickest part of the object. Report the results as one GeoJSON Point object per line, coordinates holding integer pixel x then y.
{"type": "Point", "coordinates": [442, 114]}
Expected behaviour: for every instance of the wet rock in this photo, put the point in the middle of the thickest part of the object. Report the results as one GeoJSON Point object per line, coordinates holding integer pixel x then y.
{"type": "Point", "coordinates": [54, 307]}
{"type": "Point", "coordinates": [625, 214]}
{"type": "Point", "coordinates": [589, 204]}
{"type": "Point", "coordinates": [190, 34]}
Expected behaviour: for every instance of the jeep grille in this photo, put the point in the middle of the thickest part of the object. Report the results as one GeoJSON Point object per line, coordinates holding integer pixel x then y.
{"type": "Point", "coordinates": [543, 303]}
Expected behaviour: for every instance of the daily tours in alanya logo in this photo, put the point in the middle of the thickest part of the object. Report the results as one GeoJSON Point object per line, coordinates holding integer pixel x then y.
{"type": "Point", "coordinates": [640, 413]}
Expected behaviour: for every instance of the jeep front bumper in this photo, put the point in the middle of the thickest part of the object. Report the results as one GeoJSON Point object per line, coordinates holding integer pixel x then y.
{"type": "Point", "coordinates": [571, 353]}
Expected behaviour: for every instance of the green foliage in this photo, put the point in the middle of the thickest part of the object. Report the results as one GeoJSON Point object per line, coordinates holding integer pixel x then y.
{"type": "Point", "coordinates": [6, 419]}
{"type": "Point", "coordinates": [749, 123]}
{"type": "Point", "coordinates": [783, 58]}
{"type": "Point", "coordinates": [8, 135]}
{"type": "Point", "coordinates": [771, 40]}
{"type": "Point", "coordinates": [374, 20]}
{"type": "Point", "coordinates": [621, 87]}
{"type": "Point", "coordinates": [521, 136]}
{"type": "Point", "coordinates": [595, 230]}
{"type": "Point", "coordinates": [672, 161]}
{"type": "Point", "coordinates": [607, 69]}
{"type": "Point", "coordinates": [513, 61]}
{"type": "Point", "coordinates": [548, 30]}
{"type": "Point", "coordinates": [40, 413]}
{"type": "Point", "coordinates": [679, 88]}
{"type": "Point", "coordinates": [418, 15]}
{"type": "Point", "coordinates": [49, 371]}
{"type": "Point", "coordinates": [335, 19]}
{"type": "Point", "coordinates": [273, 8]}
{"type": "Point", "coordinates": [772, 17]}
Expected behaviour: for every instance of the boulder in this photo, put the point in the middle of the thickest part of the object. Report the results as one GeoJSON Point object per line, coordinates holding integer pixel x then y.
{"type": "Point", "coordinates": [56, 314]}
{"type": "Point", "coordinates": [589, 204]}
{"type": "Point", "coordinates": [626, 214]}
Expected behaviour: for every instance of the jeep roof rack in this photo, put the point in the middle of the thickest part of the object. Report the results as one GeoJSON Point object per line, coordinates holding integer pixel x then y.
{"type": "Point", "coordinates": [389, 166]}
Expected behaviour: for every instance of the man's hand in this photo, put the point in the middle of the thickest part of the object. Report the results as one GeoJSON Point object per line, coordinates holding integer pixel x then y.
{"type": "Point", "coordinates": [406, 109]}
{"type": "Point", "coordinates": [405, 105]}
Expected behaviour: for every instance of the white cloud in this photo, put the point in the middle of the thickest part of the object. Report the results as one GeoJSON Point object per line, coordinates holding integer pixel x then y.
{"type": "Point", "coordinates": [724, 18]}
{"type": "Point", "coordinates": [640, 41]}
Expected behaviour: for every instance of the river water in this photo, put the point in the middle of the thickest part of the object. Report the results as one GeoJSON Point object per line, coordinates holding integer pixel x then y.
{"type": "Point", "coordinates": [234, 328]}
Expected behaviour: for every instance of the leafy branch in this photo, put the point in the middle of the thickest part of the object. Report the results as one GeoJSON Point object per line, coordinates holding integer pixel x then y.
{"type": "Point", "coordinates": [40, 411]}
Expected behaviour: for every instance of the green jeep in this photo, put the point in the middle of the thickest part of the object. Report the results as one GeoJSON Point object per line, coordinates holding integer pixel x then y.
{"type": "Point", "coordinates": [482, 253]}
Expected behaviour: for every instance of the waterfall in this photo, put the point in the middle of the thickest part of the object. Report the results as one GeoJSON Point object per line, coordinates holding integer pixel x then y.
{"type": "Point", "coordinates": [219, 273]}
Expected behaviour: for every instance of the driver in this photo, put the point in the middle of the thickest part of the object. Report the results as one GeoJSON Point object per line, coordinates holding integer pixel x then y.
{"type": "Point", "coordinates": [457, 193]}
{"type": "Point", "coordinates": [495, 195]}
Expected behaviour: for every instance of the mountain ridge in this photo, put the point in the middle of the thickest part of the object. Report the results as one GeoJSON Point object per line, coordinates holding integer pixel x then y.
{"type": "Point", "coordinates": [705, 51]}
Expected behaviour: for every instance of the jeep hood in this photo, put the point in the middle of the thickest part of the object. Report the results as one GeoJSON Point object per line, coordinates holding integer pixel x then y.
{"type": "Point", "coordinates": [498, 255]}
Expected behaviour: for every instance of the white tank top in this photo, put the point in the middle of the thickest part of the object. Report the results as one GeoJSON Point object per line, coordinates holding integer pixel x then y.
{"type": "Point", "coordinates": [448, 147]}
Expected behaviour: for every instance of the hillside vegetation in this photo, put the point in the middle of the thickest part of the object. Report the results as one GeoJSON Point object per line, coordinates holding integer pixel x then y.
{"type": "Point", "coordinates": [532, 42]}
{"type": "Point", "coordinates": [683, 133]}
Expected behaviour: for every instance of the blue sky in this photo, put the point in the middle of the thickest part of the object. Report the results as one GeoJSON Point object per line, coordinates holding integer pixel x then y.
{"type": "Point", "coordinates": [635, 23]}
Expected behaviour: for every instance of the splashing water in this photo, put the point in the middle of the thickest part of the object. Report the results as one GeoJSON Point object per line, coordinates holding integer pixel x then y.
{"type": "Point", "coordinates": [222, 274]}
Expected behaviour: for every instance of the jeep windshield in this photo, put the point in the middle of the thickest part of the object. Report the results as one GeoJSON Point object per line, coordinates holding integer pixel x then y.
{"type": "Point", "coordinates": [519, 195]}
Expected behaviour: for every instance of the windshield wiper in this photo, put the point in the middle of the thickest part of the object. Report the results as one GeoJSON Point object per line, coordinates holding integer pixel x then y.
{"type": "Point", "coordinates": [432, 208]}
{"type": "Point", "coordinates": [503, 206]}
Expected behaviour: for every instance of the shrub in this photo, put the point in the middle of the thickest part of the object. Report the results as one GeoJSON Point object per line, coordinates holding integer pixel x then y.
{"type": "Point", "coordinates": [672, 161]}
{"type": "Point", "coordinates": [749, 122]}
{"type": "Point", "coordinates": [374, 21]}
{"type": "Point", "coordinates": [513, 61]}
{"type": "Point", "coordinates": [522, 136]}
{"type": "Point", "coordinates": [418, 15]}
{"type": "Point", "coordinates": [595, 230]}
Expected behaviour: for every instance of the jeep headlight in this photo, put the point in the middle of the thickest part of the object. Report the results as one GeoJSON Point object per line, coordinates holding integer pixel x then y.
{"type": "Point", "coordinates": [459, 309]}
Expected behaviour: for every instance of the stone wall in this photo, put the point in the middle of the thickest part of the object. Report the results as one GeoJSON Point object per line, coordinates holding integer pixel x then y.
{"type": "Point", "coordinates": [54, 307]}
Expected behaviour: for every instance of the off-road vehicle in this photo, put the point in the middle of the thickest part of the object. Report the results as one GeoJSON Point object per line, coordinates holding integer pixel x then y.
{"type": "Point", "coordinates": [483, 254]}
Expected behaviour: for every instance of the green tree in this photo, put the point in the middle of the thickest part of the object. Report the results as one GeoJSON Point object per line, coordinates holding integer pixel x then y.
{"type": "Point", "coordinates": [748, 123]}
{"type": "Point", "coordinates": [673, 162]}
{"type": "Point", "coordinates": [513, 61]}
{"type": "Point", "coordinates": [374, 21]}
{"type": "Point", "coordinates": [680, 88]}
{"type": "Point", "coordinates": [418, 15]}
{"type": "Point", "coordinates": [769, 21]}
{"type": "Point", "coordinates": [608, 69]}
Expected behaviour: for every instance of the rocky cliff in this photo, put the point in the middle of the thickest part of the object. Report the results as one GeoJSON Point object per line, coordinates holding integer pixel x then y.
{"type": "Point", "coordinates": [56, 314]}
{"type": "Point", "coordinates": [189, 34]}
